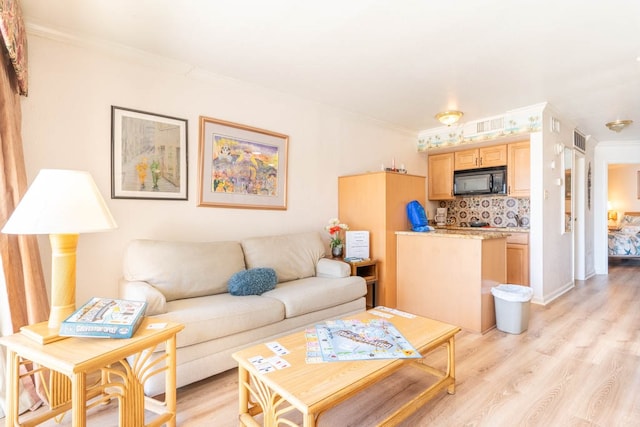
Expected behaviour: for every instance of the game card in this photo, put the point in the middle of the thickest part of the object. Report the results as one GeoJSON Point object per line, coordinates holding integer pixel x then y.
{"type": "Point", "coordinates": [277, 348]}
{"type": "Point", "coordinates": [381, 314]}
{"type": "Point", "coordinates": [278, 362]}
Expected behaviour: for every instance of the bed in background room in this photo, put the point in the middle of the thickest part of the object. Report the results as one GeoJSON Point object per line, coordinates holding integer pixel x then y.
{"type": "Point", "coordinates": [625, 241]}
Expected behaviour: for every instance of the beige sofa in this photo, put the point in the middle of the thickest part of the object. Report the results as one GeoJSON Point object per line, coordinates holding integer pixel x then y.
{"type": "Point", "coordinates": [186, 282]}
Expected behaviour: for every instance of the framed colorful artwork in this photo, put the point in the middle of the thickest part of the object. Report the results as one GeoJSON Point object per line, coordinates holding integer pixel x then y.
{"type": "Point", "coordinates": [241, 166]}
{"type": "Point", "coordinates": [148, 155]}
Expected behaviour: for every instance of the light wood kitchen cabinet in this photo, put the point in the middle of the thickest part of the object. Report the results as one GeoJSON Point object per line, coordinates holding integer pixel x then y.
{"type": "Point", "coordinates": [377, 202]}
{"type": "Point", "coordinates": [440, 181]}
{"type": "Point", "coordinates": [518, 259]}
{"type": "Point", "coordinates": [466, 159]}
{"type": "Point", "coordinates": [485, 157]}
{"type": "Point", "coordinates": [519, 169]}
{"type": "Point", "coordinates": [448, 276]}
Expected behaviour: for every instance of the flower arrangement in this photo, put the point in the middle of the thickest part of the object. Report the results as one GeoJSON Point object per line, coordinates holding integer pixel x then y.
{"type": "Point", "coordinates": [335, 229]}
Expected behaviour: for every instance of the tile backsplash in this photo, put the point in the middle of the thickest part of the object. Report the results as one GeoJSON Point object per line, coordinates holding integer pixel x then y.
{"type": "Point", "coordinates": [498, 211]}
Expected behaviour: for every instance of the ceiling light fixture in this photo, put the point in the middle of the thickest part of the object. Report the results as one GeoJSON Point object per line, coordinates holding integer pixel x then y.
{"type": "Point", "coordinates": [618, 125]}
{"type": "Point", "coordinates": [449, 117]}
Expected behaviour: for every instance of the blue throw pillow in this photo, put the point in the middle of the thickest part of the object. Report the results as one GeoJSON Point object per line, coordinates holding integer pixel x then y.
{"type": "Point", "coordinates": [254, 281]}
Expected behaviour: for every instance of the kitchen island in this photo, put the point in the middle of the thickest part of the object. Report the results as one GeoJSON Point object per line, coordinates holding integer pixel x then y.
{"type": "Point", "coordinates": [447, 275]}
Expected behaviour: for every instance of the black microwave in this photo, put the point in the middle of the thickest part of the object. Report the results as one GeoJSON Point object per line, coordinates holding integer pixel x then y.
{"type": "Point", "coordinates": [480, 181]}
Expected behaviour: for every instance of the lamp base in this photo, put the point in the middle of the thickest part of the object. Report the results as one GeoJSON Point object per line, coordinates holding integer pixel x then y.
{"type": "Point", "coordinates": [41, 333]}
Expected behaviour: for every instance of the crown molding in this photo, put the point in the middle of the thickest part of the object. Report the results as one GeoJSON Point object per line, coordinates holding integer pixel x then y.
{"type": "Point", "coordinates": [121, 51]}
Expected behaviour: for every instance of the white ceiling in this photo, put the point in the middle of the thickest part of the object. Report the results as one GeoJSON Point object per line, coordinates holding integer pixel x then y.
{"type": "Point", "coordinates": [400, 61]}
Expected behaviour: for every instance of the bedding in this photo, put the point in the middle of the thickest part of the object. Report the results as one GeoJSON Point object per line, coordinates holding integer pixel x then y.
{"type": "Point", "coordinates": [625, 242]}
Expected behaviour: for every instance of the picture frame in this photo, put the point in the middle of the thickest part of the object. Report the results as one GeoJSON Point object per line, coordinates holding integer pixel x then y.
{"type": "Point", "coordinates": [148, 155]}
{"type": "Point", "coordinates": [241, 166]}
{"type": "Point", "coordinates": [638, 184]}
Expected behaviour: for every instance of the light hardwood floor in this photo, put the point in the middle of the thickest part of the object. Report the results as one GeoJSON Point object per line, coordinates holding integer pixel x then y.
{"type": "Point", "coordinates": [577, 365]}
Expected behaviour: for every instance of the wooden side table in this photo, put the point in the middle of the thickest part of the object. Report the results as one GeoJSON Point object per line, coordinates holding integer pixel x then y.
{"type": "Point", "coordinates": [70, 360]}
{"type": "Point", "coordinates": [368, 269]}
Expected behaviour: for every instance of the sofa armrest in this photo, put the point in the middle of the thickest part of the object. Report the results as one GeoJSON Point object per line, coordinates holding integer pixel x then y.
{"type": "Point", "coordinates": [332, 268]}
{"type": "Point", "coordinates": [142, 291]}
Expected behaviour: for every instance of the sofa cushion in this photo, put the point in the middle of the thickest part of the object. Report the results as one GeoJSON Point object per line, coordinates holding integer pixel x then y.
{"type": "Point", "coordinates": [316, 293]}
{"type": "Point", "coordinates": [215, 316]}
{"type": "Point", "coordinates": [142, 291]}
{"type": "Point", "coordinates": [254, 281]}
{"type": "Point", "coordinates": [292, 256]}
{"type": "Point", "coordinates": [332, 268]}
{"type": "Point", "coordinates": [183, 269]}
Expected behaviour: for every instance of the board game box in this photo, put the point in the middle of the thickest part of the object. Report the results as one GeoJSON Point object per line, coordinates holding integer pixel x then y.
{"type": "Point", "coordinates": [348, 340]}
{"type": "Point", "coordinates": [104, 318]}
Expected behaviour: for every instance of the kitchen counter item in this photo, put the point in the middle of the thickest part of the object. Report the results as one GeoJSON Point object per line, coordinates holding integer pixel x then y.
{"type": "Point", "coordinates": [441, 216]}
{"type": "Point", "coordinates": [478, 223]}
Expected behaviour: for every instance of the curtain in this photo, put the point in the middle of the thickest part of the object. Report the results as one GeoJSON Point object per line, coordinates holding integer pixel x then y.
{"type": "Point", "coordinates": [26, 297]}
{"type": "Point", "coordinates": [26, 292]}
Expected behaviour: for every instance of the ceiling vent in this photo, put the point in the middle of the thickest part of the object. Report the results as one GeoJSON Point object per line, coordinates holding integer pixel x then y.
{"type": "Point", "coordinates": [579, 141]}
{"type": "Point", "coordinates": [491, 125]}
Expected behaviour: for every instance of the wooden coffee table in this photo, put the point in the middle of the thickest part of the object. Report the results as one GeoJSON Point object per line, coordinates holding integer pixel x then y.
{"type": "Point", "coordinates": [312, 388]}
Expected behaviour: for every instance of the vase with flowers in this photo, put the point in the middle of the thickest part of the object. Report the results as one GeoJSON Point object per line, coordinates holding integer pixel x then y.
{"type": "Point", "coordinates": [335, 229]}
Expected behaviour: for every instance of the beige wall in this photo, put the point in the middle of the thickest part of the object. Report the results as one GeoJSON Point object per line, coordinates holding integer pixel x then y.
{"type": "Point", "coordinates": [66, 124]}
{"type": "Point", "coordinates": [623, 188]}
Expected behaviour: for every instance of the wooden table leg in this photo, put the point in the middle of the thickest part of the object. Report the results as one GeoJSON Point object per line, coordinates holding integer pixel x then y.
{"type": "Point", "coordinates": [309, 420]}
{"type": "Point", "coordinates": [78, 398]}
{"type": "Point", "coordinates": [451, 364]}
{"type": "Point", "coordinates": [13, 389]}
{"type": "Point", "coordinates": [243, 390]}
{"type": "Point", "coordinates": [170, 391]}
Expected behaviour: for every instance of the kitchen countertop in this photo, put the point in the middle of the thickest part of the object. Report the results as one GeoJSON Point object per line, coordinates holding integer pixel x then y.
{"type": "Point", "coordinates": [459, 233]}
{"type": "Point", "coordinates": [484, 229]}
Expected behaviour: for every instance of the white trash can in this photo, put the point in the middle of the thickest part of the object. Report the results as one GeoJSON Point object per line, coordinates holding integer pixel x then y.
{"type": "Point", "coordinates": [513, 304]}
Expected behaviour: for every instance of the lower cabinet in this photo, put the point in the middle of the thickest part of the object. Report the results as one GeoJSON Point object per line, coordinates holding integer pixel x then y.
{"type": "Point", "coordinates": [449, 276]}
{"type": "Point", "coordinates": [518, 259]}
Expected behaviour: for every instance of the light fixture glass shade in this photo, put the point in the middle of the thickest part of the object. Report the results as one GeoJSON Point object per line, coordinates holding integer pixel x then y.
{"type": "Point", "coordinates": [61, 202]}
{"type": "Point", "coordinates": [449, 117]}
{"type": "Point", "coordinates": [618, 125]}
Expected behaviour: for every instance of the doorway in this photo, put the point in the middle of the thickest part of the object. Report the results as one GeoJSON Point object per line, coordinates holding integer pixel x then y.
{"type": "Point", "coordinates": [607, 153]}
{"type": "Point", "coordinates": [579, 206]}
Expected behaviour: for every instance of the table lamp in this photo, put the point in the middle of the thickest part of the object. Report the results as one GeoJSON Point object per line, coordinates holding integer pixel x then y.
{"type": "Point", "coordinates": [62, 204]}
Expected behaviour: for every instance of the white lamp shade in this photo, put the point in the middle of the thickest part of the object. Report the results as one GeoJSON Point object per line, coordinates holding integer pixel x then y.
{"type": "Point", "coordinates": [61, 202]}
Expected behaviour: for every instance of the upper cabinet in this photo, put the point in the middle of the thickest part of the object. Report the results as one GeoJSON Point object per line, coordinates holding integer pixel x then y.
{"type": "Point", "coordinates": [484, 157]}
{"type": "Point", "coordinates": [519, 169]}
{"type": "Point", "coordinates": [440, 179]}
{"type": "Point", "coordinates": [514, 155]}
